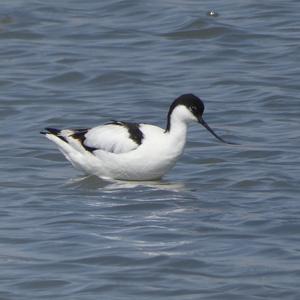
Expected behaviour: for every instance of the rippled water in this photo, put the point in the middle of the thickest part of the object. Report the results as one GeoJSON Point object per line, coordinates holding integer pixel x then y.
{"type": "Point", "coordinates": [224, 223]}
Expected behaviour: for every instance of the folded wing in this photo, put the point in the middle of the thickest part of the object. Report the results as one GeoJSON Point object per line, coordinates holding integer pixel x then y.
{"type": "Point", "coordinates": [114, 137]}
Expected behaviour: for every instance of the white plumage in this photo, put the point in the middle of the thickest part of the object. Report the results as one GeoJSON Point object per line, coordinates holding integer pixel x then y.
{"type": "Point", "coordinates": [130, 151]}
{"type": "Point", "coordinates": [111, 137]}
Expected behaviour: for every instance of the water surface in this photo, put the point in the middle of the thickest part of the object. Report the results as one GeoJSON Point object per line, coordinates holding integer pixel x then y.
{"type": "Point", "coordinates": [224, 223]}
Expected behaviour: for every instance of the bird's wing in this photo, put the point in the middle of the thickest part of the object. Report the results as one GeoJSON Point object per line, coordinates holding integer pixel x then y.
{"type": "Point", "coordinates": [115, 137]}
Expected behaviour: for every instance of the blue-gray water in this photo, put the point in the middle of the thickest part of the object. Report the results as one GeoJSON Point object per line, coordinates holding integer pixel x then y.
{"type": "Point", "coordinates": [224, 223]}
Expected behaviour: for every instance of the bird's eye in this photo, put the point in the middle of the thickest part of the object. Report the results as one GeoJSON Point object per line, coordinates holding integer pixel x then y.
{"type": "Point", "coordinates": [193, 108]}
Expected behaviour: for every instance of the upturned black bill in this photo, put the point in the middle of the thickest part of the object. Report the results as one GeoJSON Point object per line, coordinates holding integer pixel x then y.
{"type": "Point", "coordinates": [203, 123]}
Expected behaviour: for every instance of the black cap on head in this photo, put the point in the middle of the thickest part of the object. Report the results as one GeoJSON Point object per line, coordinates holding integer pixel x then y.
{"type": "Point", "coordinates": [192, 102]}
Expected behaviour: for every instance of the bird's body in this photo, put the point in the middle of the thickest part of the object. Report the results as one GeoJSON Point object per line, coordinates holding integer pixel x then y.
{"type": "Point", "coordinates": [130, 151]}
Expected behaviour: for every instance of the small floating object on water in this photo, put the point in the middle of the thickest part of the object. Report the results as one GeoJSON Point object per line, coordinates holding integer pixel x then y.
{"type": "Point", "coordinates": [131, 151]}
{"type": "Point", "coordinates": [212, 13]}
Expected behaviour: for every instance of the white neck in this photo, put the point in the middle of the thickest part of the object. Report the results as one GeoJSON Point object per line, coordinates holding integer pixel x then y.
{"type": "Point", "coordinates": [178, 129]}
{"type": "Point", "coordinates": [178, 120]}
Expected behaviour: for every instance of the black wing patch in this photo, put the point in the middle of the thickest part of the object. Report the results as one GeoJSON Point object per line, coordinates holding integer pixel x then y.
{"type": "Point", "coordinates": [54, 131]}
{"type": "Point", "coordinates": [133, 128]}
{"type": "Point", "coordinates": [79, 134]}
{"type": "Point", "coordinates": [135, 134]}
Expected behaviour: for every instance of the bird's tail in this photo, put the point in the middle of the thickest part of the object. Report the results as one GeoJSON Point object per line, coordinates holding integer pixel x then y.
{"type": "Point", "coordinates": [68, 145]}
{"type": "Point", "coordinates": [56, 136]}
{"type": "Point", "coordinates": [55, 132]}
